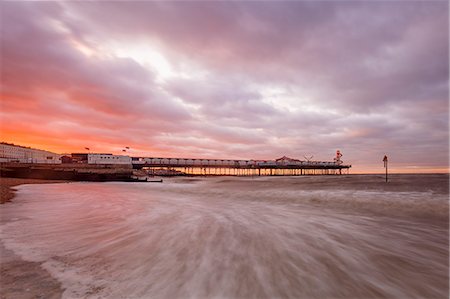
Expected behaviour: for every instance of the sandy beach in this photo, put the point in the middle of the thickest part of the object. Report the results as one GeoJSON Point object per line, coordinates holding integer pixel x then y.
{"type": "Point", "coordinates": [19, 278]}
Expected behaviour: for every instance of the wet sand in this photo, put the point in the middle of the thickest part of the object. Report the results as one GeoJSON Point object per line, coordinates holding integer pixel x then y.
{"type": "Point", "coordinates": [7, 184]}
{"type": "Point", "coordinates": [22, 279]}
{"type": "Point", "coordinates": [19, 278]}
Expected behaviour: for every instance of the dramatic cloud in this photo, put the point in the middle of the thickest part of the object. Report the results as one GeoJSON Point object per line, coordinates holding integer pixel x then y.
{"type": "Point", "coordinates": [230, 79]}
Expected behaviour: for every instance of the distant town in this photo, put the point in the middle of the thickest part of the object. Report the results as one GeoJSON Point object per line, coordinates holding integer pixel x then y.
{"type": "Point", "coordinates": [21, 161]}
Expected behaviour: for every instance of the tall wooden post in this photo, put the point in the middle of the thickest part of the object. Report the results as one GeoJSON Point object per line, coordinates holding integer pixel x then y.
{"type": "Point", "coordinates": [385, 160]}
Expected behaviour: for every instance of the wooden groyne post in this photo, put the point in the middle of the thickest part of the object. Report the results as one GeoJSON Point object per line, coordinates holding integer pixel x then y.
{"type": "Point", "coordinates": [385, 160]}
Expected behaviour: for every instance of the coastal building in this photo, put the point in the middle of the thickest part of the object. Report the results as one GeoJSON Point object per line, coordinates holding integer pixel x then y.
{"type": "Point", "coordinates": [15, 153]}
{"type": "Point", "coordinates": [94, 158]}
{"type": "Point", "coordinates": [108, 159]}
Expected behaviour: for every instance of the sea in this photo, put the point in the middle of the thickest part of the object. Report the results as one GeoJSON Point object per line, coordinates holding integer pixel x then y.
{"type": "Point", "coordinates": [337, 236]}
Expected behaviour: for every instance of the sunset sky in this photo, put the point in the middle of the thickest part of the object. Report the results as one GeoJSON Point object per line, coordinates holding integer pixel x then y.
{"type": "Point", "coordinates": [238, 80]}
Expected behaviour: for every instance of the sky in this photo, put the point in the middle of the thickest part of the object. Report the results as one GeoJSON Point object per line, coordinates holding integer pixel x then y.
{"type": "Point", "coordinates": [237, 80]}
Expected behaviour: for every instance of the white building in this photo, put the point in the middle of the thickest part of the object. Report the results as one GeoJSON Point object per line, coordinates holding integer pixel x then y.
{"type": "Point", "coordinates": [108, 159]}
{"type": "Point", "coordinates": [16, 153]}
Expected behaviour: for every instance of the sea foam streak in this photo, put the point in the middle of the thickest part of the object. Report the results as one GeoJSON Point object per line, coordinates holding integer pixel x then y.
{"type": "Point", "coordinates": [233, 238]}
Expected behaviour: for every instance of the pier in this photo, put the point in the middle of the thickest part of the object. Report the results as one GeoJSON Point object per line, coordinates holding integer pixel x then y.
{"type": "Point", "coordinates": [278, 167]}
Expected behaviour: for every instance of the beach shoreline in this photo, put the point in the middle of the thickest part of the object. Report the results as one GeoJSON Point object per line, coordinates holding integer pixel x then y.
{"type": "Point", "coordinates": [7, 186]}
{"type": "Point", "coordinates": [20, 277]}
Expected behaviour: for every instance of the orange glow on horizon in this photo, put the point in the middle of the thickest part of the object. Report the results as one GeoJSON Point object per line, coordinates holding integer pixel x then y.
{"type": "Point", "coordinates": [381, 171]}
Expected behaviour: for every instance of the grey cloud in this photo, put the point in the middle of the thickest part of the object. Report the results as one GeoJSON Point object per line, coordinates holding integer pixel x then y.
{"type": "Point", "coordinates": [376, 72]}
